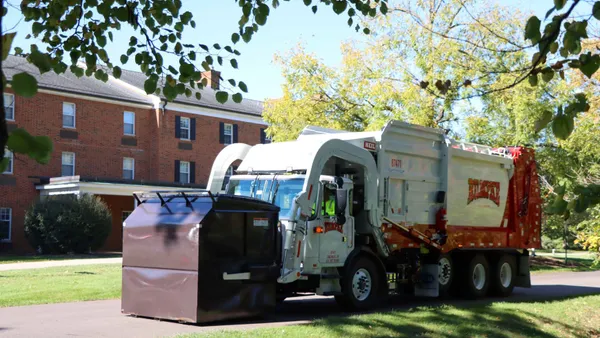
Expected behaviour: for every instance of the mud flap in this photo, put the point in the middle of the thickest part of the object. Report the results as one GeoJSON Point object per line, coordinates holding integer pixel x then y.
{"type": "Point", "coordinates": [523, 278]}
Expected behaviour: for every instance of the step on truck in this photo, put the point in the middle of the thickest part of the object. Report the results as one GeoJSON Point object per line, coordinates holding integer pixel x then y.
{"type": "Point", "coordinates": [355, 215]}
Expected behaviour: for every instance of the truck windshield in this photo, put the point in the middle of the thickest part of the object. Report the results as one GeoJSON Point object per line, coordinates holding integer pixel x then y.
{"type": "Point", "coordinates": [279, 191]}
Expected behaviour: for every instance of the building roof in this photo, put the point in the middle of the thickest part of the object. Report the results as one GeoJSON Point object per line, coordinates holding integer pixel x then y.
{"type": "Point", "coordinates": [120, 89]}
{"type": "Point", "coordinates": [208, 99]}
{"type": "Point", "coordinates": [70, 83]}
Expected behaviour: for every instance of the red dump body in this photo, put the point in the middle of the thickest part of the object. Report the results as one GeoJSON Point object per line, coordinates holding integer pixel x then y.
{"type": "Point", "coordinates": [520, 227]}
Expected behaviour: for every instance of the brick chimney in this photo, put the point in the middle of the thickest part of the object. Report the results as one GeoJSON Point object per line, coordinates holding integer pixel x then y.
{"type": "Point", "coordinates": [213, 78]}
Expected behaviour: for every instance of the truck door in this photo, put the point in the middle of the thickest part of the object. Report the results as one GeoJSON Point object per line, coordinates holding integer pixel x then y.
{"type": "Point", "coordinates": [337, 240]}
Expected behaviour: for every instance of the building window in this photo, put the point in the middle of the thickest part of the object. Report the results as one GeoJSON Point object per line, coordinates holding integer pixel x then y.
{"type": "Point", "coordinates": [9, 155]}
{"type": "Point", "coordinates": [264, 139]}
{"type": "Point", "coordinates": [184, 128]}
{"type": "Point", "coordinates": [9, 107]}
{"type": "Point", "coordinates": [5, 224]}
{"type": "Point", "coordinates": [128, 168]}
{"type": "Point", "coordinates": [68, 115]}
{"type": "Point", "coordinates": [184, 172]}
{"type": "Point", "coordinates": [129, 123]}
{"type": "Point", "coordinates": [125, 214]}
{"type": "Point", "coordinates": [68, 164]}
{"type": "Point", "coordinates": [228, 133]}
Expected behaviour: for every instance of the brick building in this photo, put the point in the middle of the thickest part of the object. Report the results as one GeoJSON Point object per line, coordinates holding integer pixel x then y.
{"type": "Point", "coordinates": [111, 139]}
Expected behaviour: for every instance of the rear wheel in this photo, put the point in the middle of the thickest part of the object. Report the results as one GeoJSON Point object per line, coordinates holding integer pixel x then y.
{"type": "Point", "coordinates": [477, 279]}
{"type": "Point", "coordinates": [446, 275]}
{"type": "Point", "coordinates": [503, 276]}
{"type": "Point", "coordinates": [361, 285]}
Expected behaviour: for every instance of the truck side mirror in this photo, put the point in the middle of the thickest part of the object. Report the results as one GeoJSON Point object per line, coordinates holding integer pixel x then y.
{"type": "Point", "coordinates": [341, 201]}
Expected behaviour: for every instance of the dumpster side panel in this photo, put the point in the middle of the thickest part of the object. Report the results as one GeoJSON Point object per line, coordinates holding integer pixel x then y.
{"type": "Point", "coordinates": [156, 236]}
{"type": "Point", "coordinates": [160, 293]}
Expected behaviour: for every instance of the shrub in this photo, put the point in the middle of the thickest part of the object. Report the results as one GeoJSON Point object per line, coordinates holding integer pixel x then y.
{"type": "Point", "coordinates": [67, 224]}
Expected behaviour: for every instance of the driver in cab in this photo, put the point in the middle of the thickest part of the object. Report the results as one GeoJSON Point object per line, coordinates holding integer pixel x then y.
{"type": "Point", "coordinates": [328, 205]}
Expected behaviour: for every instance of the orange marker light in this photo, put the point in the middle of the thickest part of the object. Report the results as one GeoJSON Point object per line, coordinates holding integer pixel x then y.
{"type": "Point", "coordinates": [319, 230]}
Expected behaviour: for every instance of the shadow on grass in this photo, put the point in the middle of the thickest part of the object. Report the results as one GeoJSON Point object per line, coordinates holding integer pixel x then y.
{"type": "Point", "coordinates": [9, 258]}
{"type": "Point", "coordinates": [542, 263]}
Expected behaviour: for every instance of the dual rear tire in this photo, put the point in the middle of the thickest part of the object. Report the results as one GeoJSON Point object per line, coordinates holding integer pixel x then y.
{"type": "Point", "coordinates": [476, 276]}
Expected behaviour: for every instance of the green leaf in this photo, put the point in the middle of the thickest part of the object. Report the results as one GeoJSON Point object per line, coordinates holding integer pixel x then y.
{"type": "Point", "coordinates": [307, 2]}
{"type": "Point", "coordinates": [234, 63]}
{"type": "Point", "coordinates": [124, 59]}
{"type": "Point", "coordinates": [7, 40]}
{"type": "Point", "coordinates": [543, 121]}
{"type": "Point", "coordinates": [20, 141]}
{"type": "Point", "coordinates": [117, 72]}
{"type": "Point", "coordinates": [532, 30]}
{"type": "Point", "coordinates": [24, 84]}
{"type": "Point", "coordinates": [170, 92]}
{"type": "Point", "coordinates": [590, 65]}
{"type": "Point", "coordinates": [243, 87]}
{"type": "Point", "coordinates": [559, 4]}
{"type": "Point", "coordinates": [339, 6]}
{"type": "Point", "coordinates": [198, 96]}
{"type": "Point", "coordinates": [150, 84]}
{"type": "Point", "coordinates": [554, 47]}
{"type": "Point", "coordinates": [562, 126]}
{"type": "Point", "coordinates": [366, 30]}
{"type": "Point", "coordinates": [222, 96]}
{"type": "Point", "coordinates": [237, 97]}
{"type": "Point", "coordinates": [384, 8]}
{"type": "Point", "coordinates": [596, 10]}
{"type": "Point", "coordinates": [235, 37]}
{"type": "Point", "coordinates": [548, 75]}
{"type": "Point", "coordinates": [533, 80]}
{"type": "Point", "coordinates": [314, 9]}
{"type": "Point", "coordinates": [581, 204]}
{"type": "Point", "coordinates": [203, 47]}
{"type": "Point", "coordinates": [41, 61]}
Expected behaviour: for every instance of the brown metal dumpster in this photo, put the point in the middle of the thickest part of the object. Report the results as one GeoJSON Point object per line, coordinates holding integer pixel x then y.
{"type": "Point", "coordinates": [197, 257]}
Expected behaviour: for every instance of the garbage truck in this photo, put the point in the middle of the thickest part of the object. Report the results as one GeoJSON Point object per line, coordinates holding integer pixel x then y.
{"type": "Point", "coordinates": [358, 216]}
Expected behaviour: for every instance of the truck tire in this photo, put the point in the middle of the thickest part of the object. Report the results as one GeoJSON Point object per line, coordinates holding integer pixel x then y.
{"type": "Point", "coordinates": [446, 275]}
{"type": "Point", "coordinates": [477, 278]}
{"type": "Point", "coordinates": [361, 285]}
{"type": "Point", "coordinates": [503, 276]}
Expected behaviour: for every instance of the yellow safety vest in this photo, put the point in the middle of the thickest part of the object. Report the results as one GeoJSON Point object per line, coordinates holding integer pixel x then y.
{"type": "Point", "coordinates": [328, 207]}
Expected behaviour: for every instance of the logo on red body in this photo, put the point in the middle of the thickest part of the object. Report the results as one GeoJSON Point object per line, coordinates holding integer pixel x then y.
{"type": "Point", "coordinates": [484, 189]}
{"type": "Point", "coordinates": [370, 145]}
{"type": "Point", "coordinates": [330, 226]}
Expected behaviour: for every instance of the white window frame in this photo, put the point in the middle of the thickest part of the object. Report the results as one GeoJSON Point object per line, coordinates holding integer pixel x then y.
{"type": "Point", "coordinates": [125, 123]}
{"type": "Point", "coordinates": [11, 162]}
{"type": "Point", "coordinates": [188, 128]}
{"type": "Point", "coordinates": [74, 115]}
{"type": "Point", "coordinates": [11, 106]}
{"type": "Point", "coordinates": [225, 135]}
{"type": "Point", "coordinates": [132, 167]}
{"type": "Point", "coordinates": [62, 163]}
{"type": "Point", "coordinates": [9, 239]}
{"type": "Point", "coordinates": [181, 163]}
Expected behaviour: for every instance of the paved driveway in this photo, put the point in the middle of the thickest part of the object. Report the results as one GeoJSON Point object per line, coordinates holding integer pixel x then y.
{"type": "Point", "coordinates": [103, 318]}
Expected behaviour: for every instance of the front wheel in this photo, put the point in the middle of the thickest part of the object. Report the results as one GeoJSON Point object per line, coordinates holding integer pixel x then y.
{"type": "Point", "coordinates": [361, 285]}
{"type": "Point", "coordinates": [446, 275]}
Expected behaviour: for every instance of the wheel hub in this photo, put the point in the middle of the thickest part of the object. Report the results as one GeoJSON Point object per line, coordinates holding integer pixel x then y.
{"type": "Point", "coordinates": [361, 284]}
{"type": "Point", "coordinates": [445, 271]}
{"type": "Point", "coordinates": [479, 276]}
{"type": "Point", "coordinates": [505, 275]}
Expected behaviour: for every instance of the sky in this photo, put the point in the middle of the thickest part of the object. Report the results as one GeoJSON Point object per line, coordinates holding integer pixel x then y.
{"type": "Point", "coordinates": [291, 23]}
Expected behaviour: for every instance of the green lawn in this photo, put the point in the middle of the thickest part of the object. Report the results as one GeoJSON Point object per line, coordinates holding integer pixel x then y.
{"type": "Point", "coordinates": [576, 261]}
{"type": "Point", "coordinates": [576, 317]}
{"type": "Point", "coordinates": [6, 259]}
{"type": "Point", "coordinates": [60, 284]}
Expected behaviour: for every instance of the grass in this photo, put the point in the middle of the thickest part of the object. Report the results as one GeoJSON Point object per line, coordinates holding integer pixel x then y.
{"type": "Point", "coordinates": [7, 259]}
{"type": "Point", "coordinates": [60, 284]}
{"type": "Point", "coordinates": [575, 317]}
{"type": "Point", "coordinates": [576, 261]}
